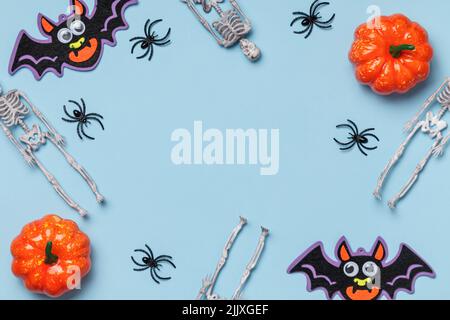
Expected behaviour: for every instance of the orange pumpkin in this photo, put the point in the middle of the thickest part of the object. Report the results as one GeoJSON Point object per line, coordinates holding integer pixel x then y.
{"type": "Point", "coordinates": [50, 254]}
{"type": "Point", "coordinates": [391, 55]}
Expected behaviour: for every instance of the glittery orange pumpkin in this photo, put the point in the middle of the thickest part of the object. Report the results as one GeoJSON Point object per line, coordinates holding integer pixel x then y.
{"type": "Point", "coordinates": [50, 254]}
{"type": "Point", "coordinates": [391, 55]}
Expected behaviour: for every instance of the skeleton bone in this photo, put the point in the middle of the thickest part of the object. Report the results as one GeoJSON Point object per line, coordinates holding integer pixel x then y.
{"type": "Point", "coordinates": [232, 26]}
{"type": "Point", "coordinates": [252, 264]}
{"type": "Point", "coordinates": [415, 176]}
{"type": "Point", "coordinates": [224, 257]}
{"type": "Point", "coordinates": [433, 125]}
{"type": "Point", "coordinates": [12, 114]}
{"type": "Point", "coordinates": [209, 282]}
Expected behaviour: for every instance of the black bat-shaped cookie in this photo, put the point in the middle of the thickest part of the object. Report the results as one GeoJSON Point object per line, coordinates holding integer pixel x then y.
{"type": "Point", "coordinates": [361, 275]}
{"type": "Point", "coordinates": [76, 41]}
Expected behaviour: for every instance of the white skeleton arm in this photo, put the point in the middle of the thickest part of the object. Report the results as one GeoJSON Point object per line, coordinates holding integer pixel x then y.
{"type": "Point", "coordinates": [191, 6]}
{"type": "Point", "coordinates": [41, 117]}
{"type": "Point", "coordinates": [252, 264]}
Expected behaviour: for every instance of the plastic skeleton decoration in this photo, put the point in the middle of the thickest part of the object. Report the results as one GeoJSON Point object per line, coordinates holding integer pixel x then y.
{"type": "Point", "coordinates": [209, 282]}
{"type": "Point", "coordinates": [13, 110]}
{"type": "Point", "coordinates": [433, 126]}
{"type": "Point", "coordinates": [232, 27]}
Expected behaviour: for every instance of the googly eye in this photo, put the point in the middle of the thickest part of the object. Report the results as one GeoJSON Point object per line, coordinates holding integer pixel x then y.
{"type": "Point", "coordinates": [65, 35]}
{"type": "Point", "coordinates": [77, 27]}
{"type": "Point", "coordinates": [351, 269]}
{"type": "Point", "coordinates": [370, 269]}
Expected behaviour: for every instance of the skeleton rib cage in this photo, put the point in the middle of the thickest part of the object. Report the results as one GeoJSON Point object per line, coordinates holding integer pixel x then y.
{"type": "Point", "coordinates": [12, 110]}
{"type": "Point", "coordinates": [231, 27]}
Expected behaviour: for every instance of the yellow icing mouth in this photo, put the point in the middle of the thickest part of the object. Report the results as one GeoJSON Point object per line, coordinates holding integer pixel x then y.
{"type": "Point", "coordinates": [362, 282]}
{"type": "Point", "coordinates": [77, 44]}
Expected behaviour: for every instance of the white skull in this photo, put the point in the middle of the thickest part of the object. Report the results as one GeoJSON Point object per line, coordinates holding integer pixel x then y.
{"type": "Point", "coordinates": [250, 49]}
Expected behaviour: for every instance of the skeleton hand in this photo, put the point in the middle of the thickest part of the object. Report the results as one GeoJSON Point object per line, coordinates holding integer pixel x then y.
{"type": "Point", "coordinates": [206, 283]}
{"type": "Point", "coordinates": [59, 139]}
{"type": "Point", "coordinates": [438, 151]}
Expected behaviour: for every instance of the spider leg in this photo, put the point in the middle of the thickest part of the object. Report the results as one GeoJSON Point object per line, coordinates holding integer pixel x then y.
{"type": "Point", "coordinates": [328, 21]}
{"type": "Point", "coordinates": [144, 252]}
{"type": "Point", "coordinates": [68, 114]}
{"type": "Point", "coordinates": [142, 269]}
{"type": "Point", "coordinates": [304, 30]}
{"type": "Point", "coordinates": [137, 38]}
{"type": "Point", "coordinates": [360, 149]}
{"type": "Point", "coordinates": [168, 261]}
{"type": "Point", "coordinates": [161, 278]}
{"type": "Point", "coordinates": [152, 50]}
{"type": "Point", "coordinates": [367, 130]}
{"type": "Point", "coordinates": [300, 13]}
{"type": "Point", "coordinates": [150, 251]}
{"type": "Point", "coordinates": [153, 24]}
{"type": "Point", "coordinates": [163, 256]}
{"type": "Point", "coordinates": [318, 6]}
{"type": "Point", "coordinates": [347, 126]}
{"type": "Point", "coordinates": [323, 27]}
{"type": "Point", "coordinates": [146, 28]}
{"type": "Point", "coordinates": [135, 45]}
{"type": "Point", "coordinates": [152, 271]}
{"type": "Point", "coordinates": [349, 147]}
{"type": "Point", "coordinates": [79, 130]}
{"type": "Point", "coordinates": [166, 36]}
{"type": "Point", "coordinates": [95, 115]}
{"type": "Point", "coordinates": [310, 30]}
{"type": "Point", "coordinates": [84, 105]}
{"type": "Point", "coordinates": [343, 144]}
{"type": "Point", "coordinates": [69, 120]}
{"type": "Point", "coordinates": [162, 44]}
{"type": "Point", "coordinates": [371, 135]}
{"type": "Point", "coordinates": [96, 120]}
{"type": "Point", "coordinates": [85, 134]}
{"type": "Point", "coordinates": [145, 53]}
{"type": "Point", "coordinates": [355, 126]}
{"type": "Point", "coordinates": [369, 148]}
{"type": "Point", "coordinates": [138, 264]}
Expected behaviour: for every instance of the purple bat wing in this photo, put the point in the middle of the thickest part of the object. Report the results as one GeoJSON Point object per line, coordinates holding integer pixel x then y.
{"type": "Point", "coordinates": [109, 17]}
{"type": "Point", "coordinates": [38, 56]}
{"type": "Point", "coordinates": [402, 272]}
{"type": "Point", "coordinates": [321, 272]}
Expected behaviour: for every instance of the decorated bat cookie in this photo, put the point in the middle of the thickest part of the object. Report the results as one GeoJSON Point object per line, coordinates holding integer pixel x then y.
{"type": "Point", "coordinates": [361, 275]}
{"type": "Point", "coordinates": [76, 41]}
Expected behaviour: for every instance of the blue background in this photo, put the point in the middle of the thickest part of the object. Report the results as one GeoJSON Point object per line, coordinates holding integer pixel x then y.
{"type": "Point", "coordinates": [303, 87]}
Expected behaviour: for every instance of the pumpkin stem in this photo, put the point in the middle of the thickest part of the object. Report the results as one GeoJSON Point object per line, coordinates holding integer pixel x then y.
{"type": "Point", "coordinates": [396, 51]}
{"type": "Point", "coordinates": [50, 258]}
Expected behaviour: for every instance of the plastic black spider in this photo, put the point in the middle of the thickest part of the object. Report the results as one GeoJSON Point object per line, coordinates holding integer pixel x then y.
{"type": "Point", "coordinates": [356, 137]}
{"type": "Point", "coordinates": [84, 119]}
{"type": "Point", "coordinates": [308, 21]}
{"type": "Point", "coordinates": [152, 263]}
{"type": "Point", "coordinates": [150, 39]}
